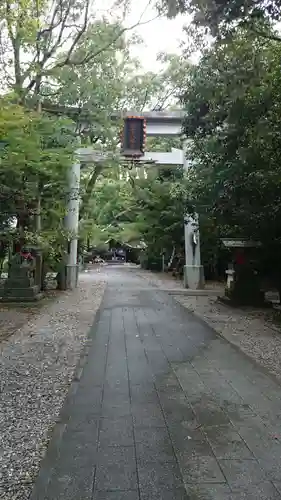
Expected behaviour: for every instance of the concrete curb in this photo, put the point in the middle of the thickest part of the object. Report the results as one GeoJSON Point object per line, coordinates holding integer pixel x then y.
{"type": "Point", "coordinates": [191, 293]}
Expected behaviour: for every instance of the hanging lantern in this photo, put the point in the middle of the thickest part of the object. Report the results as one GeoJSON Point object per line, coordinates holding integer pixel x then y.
{"type": "Point", "coordinates": [134, 136]}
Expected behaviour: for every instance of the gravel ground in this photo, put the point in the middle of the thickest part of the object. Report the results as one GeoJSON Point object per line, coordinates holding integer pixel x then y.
{"type": "Point", "coordinates": [249, 329]}
{"type": "Point", "coordinates": [15, 316]}
{"type": "Point", "coordinates": [36, 369]}
{"type": "Point", "coordinates": [12, 319]}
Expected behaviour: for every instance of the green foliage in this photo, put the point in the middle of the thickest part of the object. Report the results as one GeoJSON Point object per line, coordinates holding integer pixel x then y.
{"type": "Point", "coordinates": [113, 81]}
{"type": "Point", "coordinates": [220, 18]}
{"type": "Point", "coordinates": [36, 153]}
{"type": "Point", "coordinates": [95, 87]}
{"type": "Point", "coordinates": [233, 123]}
{"type": "Point", "coordinates": [162, 206]}
{"type": "Point", "coordinates": [163, 144]}
{"type": "Point", "coordinates": [41, 38]}
{"type": "Point", "coordinates": [148, 210]}
{"type": "Point", "coordinates": [157, 91]}
{"type": "Point", "coordinates": [60, 54]}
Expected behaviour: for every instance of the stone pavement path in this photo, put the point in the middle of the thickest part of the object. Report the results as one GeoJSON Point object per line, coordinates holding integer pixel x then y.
{"type": "Point", "coordinates": [163, 410]}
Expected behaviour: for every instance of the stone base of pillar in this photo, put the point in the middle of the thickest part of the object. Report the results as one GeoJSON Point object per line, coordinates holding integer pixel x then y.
{"type": "Point", "coordinates": [194, 277]}
{"type": "Point", "coordinates": [72, 276]}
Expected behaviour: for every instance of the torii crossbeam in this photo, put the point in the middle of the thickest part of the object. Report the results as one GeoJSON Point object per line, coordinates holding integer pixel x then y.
{"type": "Point", "coordinates": [158, 123]}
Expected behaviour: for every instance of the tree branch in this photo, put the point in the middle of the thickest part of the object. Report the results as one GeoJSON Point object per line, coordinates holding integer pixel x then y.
{"type": "Point", "coordinates": [68, 60]}
{"type": "Point", "coordinates": [50, 51]}
{"type": "Point", "coordinates": [160, 103]}
{"type": "Point", "coordinates": [146, 93]}
{"type": "Point", "coordinates": [116, 217]}
{"type": "Point", "coordinates": [80, 33]}
{"type": "Point", "coordinates": [89, 57]}
{"type": "Point", "coordinates": [52, 24]}
{"type": "Point", "coordinates": [267, 36]}
{"type": "Point", "coordinates": [89, 189]}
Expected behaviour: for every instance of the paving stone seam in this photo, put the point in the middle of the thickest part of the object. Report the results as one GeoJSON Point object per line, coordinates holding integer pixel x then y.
{"type": "Point", "coordinates": [192, 408]}
{"type": "Point", "coordinates": [163, 413]}
{"type": "Point", "coordinates": [58, 431]}
{"type": "Point", "coordinates": [165, 354]}
{"type": "Point", "coordinates": [210, 391]}
{"type": "Point", "coordinates": [130, 399]}
{"type": "Point", "coordinates": [229, 417]}
{"type": "Point", "coordinates": [252, 362]}
{"type": "Point", "coordinates": [222, 409]}
{"type": "Point", "coordinates": [102, 395]}
{"type": "Point", "coordinates": [266, 423]}
{"type": "Point", "coordinates": [226, 341]}
{"type": "Point", "coordinates": [255, 456]}
{"type": "Point", "coordinates": [84, 356]}
{"type": "Point", "coordinates": [254, 411]}
{"type": "Point", "coordinates": [236, 347]}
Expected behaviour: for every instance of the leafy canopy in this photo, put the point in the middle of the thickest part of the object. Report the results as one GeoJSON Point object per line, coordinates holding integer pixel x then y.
{"type": "Point", "coordinates": [233, 108]}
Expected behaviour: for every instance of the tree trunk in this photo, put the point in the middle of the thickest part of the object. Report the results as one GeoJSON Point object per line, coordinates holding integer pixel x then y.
{"type": "Point", "coordinates": [38, 215]}
{"type": "Point", "coordinates": [17, 66]}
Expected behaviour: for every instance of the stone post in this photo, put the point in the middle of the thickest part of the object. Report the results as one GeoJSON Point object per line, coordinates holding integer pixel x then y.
{"type": "Point", "coordinates": [193, 270]}
{"type": "Point", "coordinates": [72, 223]}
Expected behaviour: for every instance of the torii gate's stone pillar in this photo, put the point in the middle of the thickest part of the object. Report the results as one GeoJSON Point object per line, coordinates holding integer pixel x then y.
{"type": "Point", "coordinates": [72, 225]}
{"type": "Point", "coordinates": [193, 270]}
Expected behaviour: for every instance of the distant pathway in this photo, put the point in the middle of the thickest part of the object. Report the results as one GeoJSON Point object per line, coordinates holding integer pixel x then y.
{"type": "Point", "coordinates": [163, 410]}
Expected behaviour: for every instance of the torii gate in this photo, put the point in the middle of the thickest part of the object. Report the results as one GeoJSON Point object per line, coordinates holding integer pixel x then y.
{"type": "Point", "coordinates": [158, 123]}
